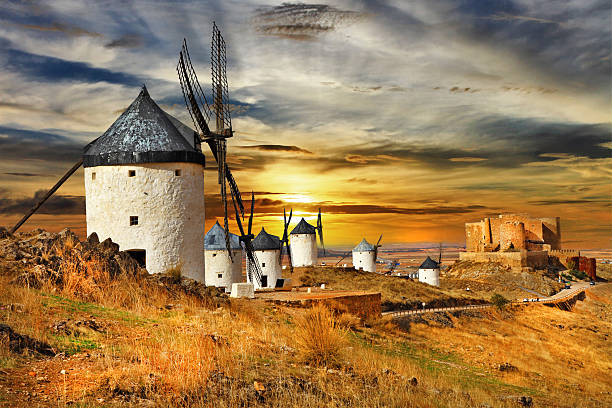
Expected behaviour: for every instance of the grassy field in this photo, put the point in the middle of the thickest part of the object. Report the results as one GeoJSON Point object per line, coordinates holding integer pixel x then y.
{"type": "Point", "coordinates": [160, 349]}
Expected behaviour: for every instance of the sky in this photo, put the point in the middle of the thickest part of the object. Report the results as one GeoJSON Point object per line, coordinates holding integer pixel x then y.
{"type": "Point", "coordinates": [407, 118]}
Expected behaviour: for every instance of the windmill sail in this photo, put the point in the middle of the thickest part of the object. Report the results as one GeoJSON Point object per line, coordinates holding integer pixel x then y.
{"type": "Point", "coordinates": [285, 240]}
{"type": "Point", "coordinates": [320, 231]}
{"type": "Point", "coordinates": [201, 112]}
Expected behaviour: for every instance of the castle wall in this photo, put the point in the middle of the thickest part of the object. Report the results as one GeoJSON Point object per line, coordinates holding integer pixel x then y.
{"type": "Point", "coordinates": [303, 249]}
{"type": "Point", "coordinates": [364, 260]}
{"type": "Point", "coordinates": [169, 207]}
{"type": "Point", "coordinates": [512, 234]}
{"type": "Point", "coordinates": [218, 263]}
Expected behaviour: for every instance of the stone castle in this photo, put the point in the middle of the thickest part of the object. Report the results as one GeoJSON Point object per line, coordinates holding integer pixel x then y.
{"type": "Point", "coordinates": [521, 241]}
{"type": "Point", "coordinates": [515, 240]}
{"type": "Point", "coordinates": [513, 231]}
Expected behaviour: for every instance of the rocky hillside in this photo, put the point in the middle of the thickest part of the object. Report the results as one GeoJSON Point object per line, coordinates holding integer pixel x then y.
{"type": "Point", "coordinates": [493, 276]}
{"type": "Point", "coordinates": [61, 262]}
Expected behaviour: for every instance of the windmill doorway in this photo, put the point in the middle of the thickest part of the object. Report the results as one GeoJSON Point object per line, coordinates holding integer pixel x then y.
{"type": "Point", "coordinates": [264, 281]}
{"type": "Point", "coordinates": [140, 256]}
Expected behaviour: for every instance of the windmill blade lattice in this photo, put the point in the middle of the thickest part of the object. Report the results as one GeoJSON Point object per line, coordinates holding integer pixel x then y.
{"type": "Point", "coordinates": [285, 240]}
{"type": "Point", "coordinates": [320, 230]}
{"type": "Point", "coordinates": [376, 248]}
{"type": "Point", "coordinates": [201, 113]}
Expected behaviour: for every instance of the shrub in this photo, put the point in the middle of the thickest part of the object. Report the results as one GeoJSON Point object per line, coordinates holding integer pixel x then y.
{"type": "Point", "coordinates": [499, 301]}
{"type": "Point", "coordinates": [175, 273]}
{"type": "Point", "coordinates": [578, 274]}
{"type": "Point", "coordinates": [320, 339]}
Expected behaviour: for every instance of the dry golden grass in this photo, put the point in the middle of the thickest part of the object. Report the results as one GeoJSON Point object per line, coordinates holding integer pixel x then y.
{"type": "Point", "coordinates": [252, 353]}
{"type": "Point", "coordinates": [319, 336]}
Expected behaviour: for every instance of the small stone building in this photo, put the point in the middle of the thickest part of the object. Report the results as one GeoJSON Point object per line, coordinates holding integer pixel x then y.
{"type": "Point", "coordinates": [267, 251]}
{"type": "Point", "coordinates": [364, 256]}
{"type": "Point", "coordinates": [303, 243]}
{"type": "Point", "coordinates": [144, 189]}
{"type": "Point", "coordinates": [221, 270]}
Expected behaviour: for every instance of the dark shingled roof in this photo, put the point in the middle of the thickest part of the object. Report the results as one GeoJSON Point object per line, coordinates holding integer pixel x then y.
{"type": "Point", "coordinates": [215, 239]}
{"type": "Point", "coordinates": [303, 228]}
{"type": "Point", "coordinates": [263, 240]}
{"type": "Point", "coordinates": [429, 264]}
{"type": "Point", "coordinates": [364, 246]}
{"type": "Point", "coordinates": [142, 134]}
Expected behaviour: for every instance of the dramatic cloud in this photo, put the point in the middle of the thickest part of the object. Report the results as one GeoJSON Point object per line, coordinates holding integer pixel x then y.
{"type": "Point", "coordinates": [67, 29]}
{"type": "Point", "coordinates": [128, 41]}
{"type": "Point", "coordinates": [23, 144]}
{"type": "Point", "coordinates": [298, 21]}
{"type": "Point", "coordinates": [56, 204]}
{"type": "Point", "coordinates": [40, 67]}
{"type": "Point", "coordinates": [277, 148]}
{"type": "Point", "coordinates": [24, 174]}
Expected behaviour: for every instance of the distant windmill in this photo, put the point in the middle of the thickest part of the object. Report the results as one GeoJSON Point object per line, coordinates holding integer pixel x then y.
{"type": "Point", "coordinates": [365, 255]}
{"type": "Point", "coordinates": [200, 112]}
{"type": "Point", "coordinates": [285, 239]}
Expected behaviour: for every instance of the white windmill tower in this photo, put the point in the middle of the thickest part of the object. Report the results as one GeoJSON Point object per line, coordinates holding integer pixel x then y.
{"type": "Point", "coordinates": [429, 272]}
{"type": "Point", "coordinates": [267, 252]}
{"type": "Point", "coordinates": [304, 250]}
{"type": "Point", "coordinates": [365, 254]}
{"type": "Point", "coordinates": [221, 269]}
{"type": "Point", "coordinates": [144, 189]}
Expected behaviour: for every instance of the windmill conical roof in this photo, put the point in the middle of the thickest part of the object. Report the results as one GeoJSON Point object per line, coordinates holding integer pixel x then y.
{"type": "Point", "coordinates": [364, 246]}
{"type": "Point", "coordinates": [429, 264]}
{"type": "Point", "coordinates": [303, 228]}
{"type": "Point", "coordinates": [215, 238]}
{"type": "Point", "coordinates": [263, 241]}
{"type": "Point", "coordinates": [144, 133]}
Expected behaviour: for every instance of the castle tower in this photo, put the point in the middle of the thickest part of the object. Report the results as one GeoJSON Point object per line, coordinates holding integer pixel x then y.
{"type": "Point", "coordinates": [221, 271]}
{"type": "Point", "coordinates": [144, 189]}
{"type": "Point", "coordinates": [303, 244]}
{"type": "Point", "coordinates": [364, 256]}
{"type": "Point", "coordinates": [429, 272]}
{"type": "Point", "coordinates": [512, 235]}
{"type": "Point", "coordinates": [267, 251]}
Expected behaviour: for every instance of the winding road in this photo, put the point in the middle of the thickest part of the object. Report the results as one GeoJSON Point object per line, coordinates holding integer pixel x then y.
{"type": "Point", "coordinates": [563, 294]}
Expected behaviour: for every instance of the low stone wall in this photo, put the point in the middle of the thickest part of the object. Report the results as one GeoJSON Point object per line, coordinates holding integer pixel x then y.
{"type": "Point", "coordinates": [518, 259]}
{"type": "Point", "coordinates": [359, 304]}
{"type": "Point", "coordinates": [367, 305]}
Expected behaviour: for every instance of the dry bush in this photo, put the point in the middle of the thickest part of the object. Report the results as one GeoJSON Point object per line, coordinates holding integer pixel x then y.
{"type": "Point", "coordinates": [319, 337]}
{"type": "Point", "coordinates": [349, 321]}
{"type": "Point", "coordinates": [175, 273]}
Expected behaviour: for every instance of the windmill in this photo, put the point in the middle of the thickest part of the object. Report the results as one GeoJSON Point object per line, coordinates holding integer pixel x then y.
{"type": "Point", "coordinates": [285, 239]}
{"type": "Point", "coordinates": [320, 231]}
{"type": "Point", "coordinates": [201, 112]}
